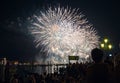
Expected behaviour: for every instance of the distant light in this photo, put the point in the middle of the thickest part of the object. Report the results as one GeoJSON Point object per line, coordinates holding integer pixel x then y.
{"type": "Point", "coordinates": [105, 40]}
{"type": "Point", "coordinates": [4, 61]}
{"type": "Point", "coordinates": [16, 63]}
{"type": "Point", "coordinates": [110, 54]}
{"type": "Point", "coordinates": [102, 45]}
{"type": "Point", "coordinates": [110, 46]}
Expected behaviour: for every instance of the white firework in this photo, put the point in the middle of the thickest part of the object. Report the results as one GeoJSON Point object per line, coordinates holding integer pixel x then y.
{"type": "Point", "coordinates": [61, 32]}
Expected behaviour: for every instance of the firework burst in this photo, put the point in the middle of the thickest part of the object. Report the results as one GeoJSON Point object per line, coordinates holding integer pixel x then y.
{"type": "Point", "coordinates": [61, 32]}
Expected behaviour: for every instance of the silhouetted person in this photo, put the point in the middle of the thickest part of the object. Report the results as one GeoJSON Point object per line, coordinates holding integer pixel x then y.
{"type": "Point", "coordinates": [98, 71]}
{"type": "Point", "coordinates": [117, 68]}
{"type": "Point", "coordinates": [117, 73]}
{"type": "Point", "coordinates": [31, 78]}
{"type": "Point", "coordinates": [7, 72]}
{"type": "Point", "coordinates": [15, 79]}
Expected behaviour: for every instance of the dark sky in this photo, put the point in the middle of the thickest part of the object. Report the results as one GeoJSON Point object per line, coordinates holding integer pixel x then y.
{"type": "Point", "coordinates": [15, 42]}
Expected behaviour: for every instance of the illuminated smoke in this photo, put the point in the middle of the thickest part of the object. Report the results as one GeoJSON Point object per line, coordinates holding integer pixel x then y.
{"type": "Point", "coordinates": [61, 32]}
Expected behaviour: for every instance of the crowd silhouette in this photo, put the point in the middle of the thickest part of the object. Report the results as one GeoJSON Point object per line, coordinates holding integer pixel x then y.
{"type": "Point", "coordinates": [98, 71]}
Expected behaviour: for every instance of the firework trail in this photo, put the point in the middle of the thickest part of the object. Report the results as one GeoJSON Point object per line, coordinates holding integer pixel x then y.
{"type": "Point", "coordinates": [60, 32]}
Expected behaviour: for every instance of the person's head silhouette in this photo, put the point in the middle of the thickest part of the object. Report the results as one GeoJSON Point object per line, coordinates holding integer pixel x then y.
{"type": "Point", "coordinates": [97, 55]}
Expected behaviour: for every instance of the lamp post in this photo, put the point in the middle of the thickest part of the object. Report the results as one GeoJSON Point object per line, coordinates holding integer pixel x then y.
{"type": "Point", "coordinates": [106, 46]}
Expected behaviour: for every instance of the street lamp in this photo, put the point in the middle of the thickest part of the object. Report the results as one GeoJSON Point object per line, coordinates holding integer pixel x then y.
{"type": "Point", "coordinates": [102, 45]}
{"type": "Point", "coordinates": [105, 44]}
{"type": "Point", "coordinates": [106, 40]}
{"type": "Point", "coordinates": [109, 46]}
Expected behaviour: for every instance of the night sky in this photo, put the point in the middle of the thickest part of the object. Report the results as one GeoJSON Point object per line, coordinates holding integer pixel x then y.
{"type": "Point", "coordinates": [17, 44]}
